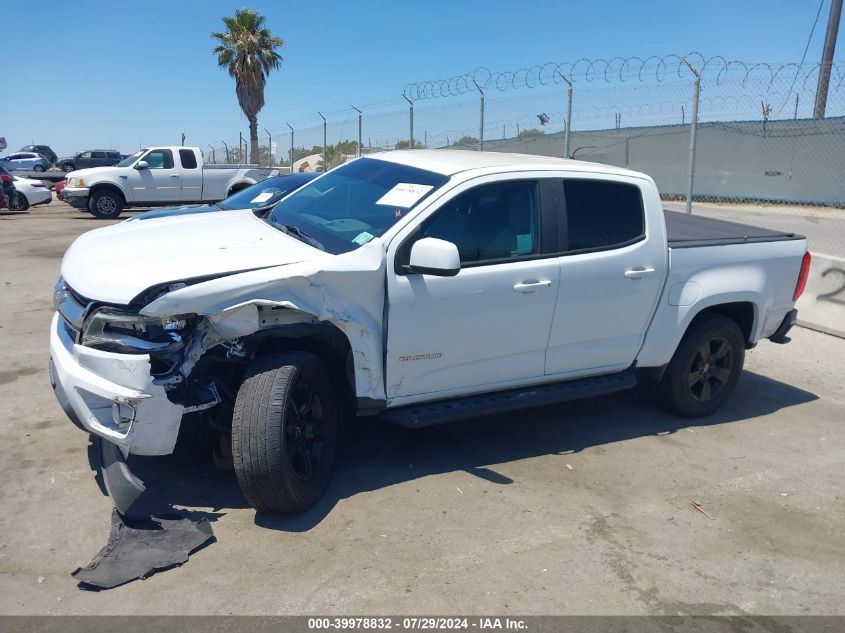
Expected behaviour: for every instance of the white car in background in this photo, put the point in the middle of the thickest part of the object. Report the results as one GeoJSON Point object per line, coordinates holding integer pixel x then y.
{"type": "Point", "coordinates": [29, 193]}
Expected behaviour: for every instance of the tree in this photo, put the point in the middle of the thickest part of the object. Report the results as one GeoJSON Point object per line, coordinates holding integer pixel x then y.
{"type": "Point", "coordinates": [467, 140]}
{"type": "Point", "coordinates": [406, 144]}
{"type": "Point", "coordinates": [529, 133]}
{"type": "Point", "coordinates": [248, 50]}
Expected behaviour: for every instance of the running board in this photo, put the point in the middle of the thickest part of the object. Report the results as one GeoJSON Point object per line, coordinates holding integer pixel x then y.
{"type": "Point", "coordinates": [440, 411]}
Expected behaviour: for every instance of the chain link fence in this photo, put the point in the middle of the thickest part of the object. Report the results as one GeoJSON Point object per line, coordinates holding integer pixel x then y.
{"type": "Point", "coordinates": [756, 138]}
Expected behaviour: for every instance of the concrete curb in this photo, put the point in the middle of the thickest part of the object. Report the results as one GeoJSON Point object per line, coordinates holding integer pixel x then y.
{"type": "Point", "coordinates": [822, 306]}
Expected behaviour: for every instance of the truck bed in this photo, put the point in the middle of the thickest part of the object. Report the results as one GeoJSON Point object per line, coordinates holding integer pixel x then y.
{"type": "Point", "coordinates": [689, 231]}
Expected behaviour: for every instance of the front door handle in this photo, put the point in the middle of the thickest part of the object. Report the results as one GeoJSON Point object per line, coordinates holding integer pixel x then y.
{"type": "Point", "coordinates": [174, 175]}
{"type": "Point", "coordinates": [636, 273]}
{"type": "Point", "coordinates": [531, 286]}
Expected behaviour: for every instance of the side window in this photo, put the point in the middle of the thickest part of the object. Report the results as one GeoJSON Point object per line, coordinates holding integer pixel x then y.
{"type": "Point", "coordinates": [99, 154]}
{"type": "Point", "coordinates": [490, 222]}
{"type": "Point", "coordinates": [85, 155]}
{"type": "Point", "coordinates": [602, 214]}
{"type": "Point", "coordinates": [188, 158]}
{"type": "Point", "coordinates": [160, 159]}
{"type": "Point", "coordinates": [114, 155]}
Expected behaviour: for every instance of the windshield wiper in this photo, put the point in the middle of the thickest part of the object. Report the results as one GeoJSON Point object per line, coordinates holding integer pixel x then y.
{"type": "Point", "coordinates": [290, 229]}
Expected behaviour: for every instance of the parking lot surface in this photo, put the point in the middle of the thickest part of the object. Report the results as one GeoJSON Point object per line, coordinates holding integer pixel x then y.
{"type": "Point", "coordinates": [583, 508]}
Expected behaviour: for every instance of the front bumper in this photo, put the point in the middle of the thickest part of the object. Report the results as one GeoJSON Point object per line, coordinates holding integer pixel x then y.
{"type": "Point", "coordinates": [76, 197]}
{"type": "Point", "coordinates": [112, 395]}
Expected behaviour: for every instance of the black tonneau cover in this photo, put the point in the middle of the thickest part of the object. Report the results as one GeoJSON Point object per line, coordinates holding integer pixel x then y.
{"type": "Point", "coordinates": [686, 231]}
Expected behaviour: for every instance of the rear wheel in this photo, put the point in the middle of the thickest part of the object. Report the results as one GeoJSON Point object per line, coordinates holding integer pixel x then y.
{"type": "Point", "coordinates": [284, 432]}
{"type": "Point", "coordinates": [38, 168]}
{"type": "Point", "coordinates": [105, 204]}
{"type": "Point", "coordinates": [18, 202]}
{"type": "Point", "coordinates": [705, 369]}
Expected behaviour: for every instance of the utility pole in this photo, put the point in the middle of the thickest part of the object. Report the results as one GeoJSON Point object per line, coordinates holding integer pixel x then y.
{"type": "Point", "coordinates": [411, 115]}
{"type": "Point", "coordinates": [325, 152]}
{"type": "Point", "coordinates": [291, 147]}
{"type": "Point", "coordinates": [269, 147]}
{"type": "Point", "coordinates": [360, 115]}
{"type": "Point", "coordinates": [827, 58]}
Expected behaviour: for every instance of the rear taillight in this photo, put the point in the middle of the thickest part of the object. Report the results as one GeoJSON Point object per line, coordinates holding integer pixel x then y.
{"type": "Point", "coordinates": [802, 277]}
{"type": "Point", "coordinates": [5, 178]}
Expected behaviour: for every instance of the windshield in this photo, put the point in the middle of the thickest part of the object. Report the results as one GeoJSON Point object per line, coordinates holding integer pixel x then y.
{"type": "Point", "coordinates": [356, 202]}
{"type": "Point", "coordinates": [126, 162]}
{"type": "Point", "coordinates": [265, 193]}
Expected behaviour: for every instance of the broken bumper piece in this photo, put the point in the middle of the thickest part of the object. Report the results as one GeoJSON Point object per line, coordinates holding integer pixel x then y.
{"type": "Point", "coordinates": [112, 395]}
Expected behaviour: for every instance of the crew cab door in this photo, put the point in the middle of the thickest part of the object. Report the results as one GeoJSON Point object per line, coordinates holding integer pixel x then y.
{"type": "Point", "coordinates": [161, 181]}
{"type": "Point", "coordinates": [191, 176]}
{"type": "Point", "coordinates": [489, 324]}
{"type": "Point", "coordinates": [612, 268]}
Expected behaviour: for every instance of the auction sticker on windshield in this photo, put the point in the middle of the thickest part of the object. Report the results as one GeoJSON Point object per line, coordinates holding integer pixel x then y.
{"type": "Point", "coordinates": [404, 195]}
{"type": "Point", "coordinates": [262, 197]}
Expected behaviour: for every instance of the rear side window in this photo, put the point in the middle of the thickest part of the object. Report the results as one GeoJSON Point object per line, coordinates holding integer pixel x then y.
{"type": "Point", "coordinates": [602, 214]}
{"type": "Point", "coordinates": [99, 154]}
{"type": "Point", "coordinates": [189, 160]}
{"type": "Point", "coordinates": [114, 155]}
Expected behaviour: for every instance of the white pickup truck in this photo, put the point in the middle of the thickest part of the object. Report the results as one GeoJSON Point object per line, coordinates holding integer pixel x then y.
{"type": "Point", "coordinates": [422, 286]}
{"type": "Point", "coordinates": [157, 176]}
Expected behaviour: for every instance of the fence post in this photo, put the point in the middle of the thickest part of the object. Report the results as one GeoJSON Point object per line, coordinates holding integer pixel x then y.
{"type": "Point", "coordinates": [240, 147]}
{"type": "Point", "coordinates": [411, 103]}
{"type": "Point", "coordinates": [693, 131]}
{"type": "Point", "coordinates": [325, 152]}
{"type": "Point", "coordinates": [359, 128]}
{"type": "Point", "coordinates": [213, 160]}
{"type": "Point", "coordinates": [291, 146]}
{"type": "Point", "coordinates": [481, 124]}
{"type": "Point", "coordinates": [568, 115]}
{"type": "Point", "coordinates": [227, 150]}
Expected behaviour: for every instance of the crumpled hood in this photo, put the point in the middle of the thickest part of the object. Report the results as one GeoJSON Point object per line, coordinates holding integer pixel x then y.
{"type": "Point", "coordinates": [114, 264]}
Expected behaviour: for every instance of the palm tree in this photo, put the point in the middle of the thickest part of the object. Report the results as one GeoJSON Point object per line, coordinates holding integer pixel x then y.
{"type": "Point", "coordinates": [248, 50]}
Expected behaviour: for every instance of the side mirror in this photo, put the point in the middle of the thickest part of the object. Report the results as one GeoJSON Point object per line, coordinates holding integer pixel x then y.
{"type": "Point", "coordinates": [431, 256]}
{"type": "Point", "coordinates": [142, 164]}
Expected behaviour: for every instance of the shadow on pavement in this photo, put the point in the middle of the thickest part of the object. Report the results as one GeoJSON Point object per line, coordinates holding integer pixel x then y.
{"type": "Point", "coordinates": [373, 454]}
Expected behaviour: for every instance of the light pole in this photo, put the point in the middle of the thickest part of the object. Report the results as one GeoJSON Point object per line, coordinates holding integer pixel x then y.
{"type": "Point", "coordinates": [291, 146]}
{"type": "Point", "coordinates": [359, 127]}
{"type": "Point", "coordinates": [269, 147]}
{"type": "Point", "coordinates": [325, 153]}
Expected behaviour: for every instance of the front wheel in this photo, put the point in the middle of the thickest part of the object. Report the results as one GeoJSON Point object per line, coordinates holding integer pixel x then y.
{"type": "Point", "coordinates": [705, 369]}
{"type": "Point", "coordinates": [284, 432]}
{"type": "Point", "coordinates": [105, 204]}
{"type": "Point", "coordinates": [67, 168]}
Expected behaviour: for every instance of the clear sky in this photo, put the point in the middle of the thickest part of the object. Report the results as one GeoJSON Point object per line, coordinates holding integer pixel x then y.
{"type": "Point", "coordinates": [123, 73]}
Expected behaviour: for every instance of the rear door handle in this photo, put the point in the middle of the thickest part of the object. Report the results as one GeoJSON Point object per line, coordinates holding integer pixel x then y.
{"type": "Point", "coordinates": [531, 286]}
{"type": "Point", "coordinates": [636, 273]}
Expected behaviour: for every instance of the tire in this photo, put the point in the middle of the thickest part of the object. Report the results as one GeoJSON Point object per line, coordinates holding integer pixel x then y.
{"type": "Point", "coordinates": [67, 168]}
{"type": "Point", "coordinates": [282, 449]}
{"type": "Point", "coordinates": [705, 369]}
{"type": "Point", "coordinates": [38, 168]}
{"type": "Point", "coordinates": [106, 204]}
{"type": "Point", "coordinates": [18, 202]}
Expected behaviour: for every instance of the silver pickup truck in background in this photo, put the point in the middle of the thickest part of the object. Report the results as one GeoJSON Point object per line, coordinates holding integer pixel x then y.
{"type": "Point", "coordinates": [157, 176]}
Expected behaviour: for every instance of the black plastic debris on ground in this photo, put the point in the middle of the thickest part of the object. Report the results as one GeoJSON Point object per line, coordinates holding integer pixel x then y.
{"type": "Point", "coordinates": [138, 547]}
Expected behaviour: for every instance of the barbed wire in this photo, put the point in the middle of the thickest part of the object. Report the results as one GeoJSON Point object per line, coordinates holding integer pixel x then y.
{"type": "Point", "coordinates": [622, 69]}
